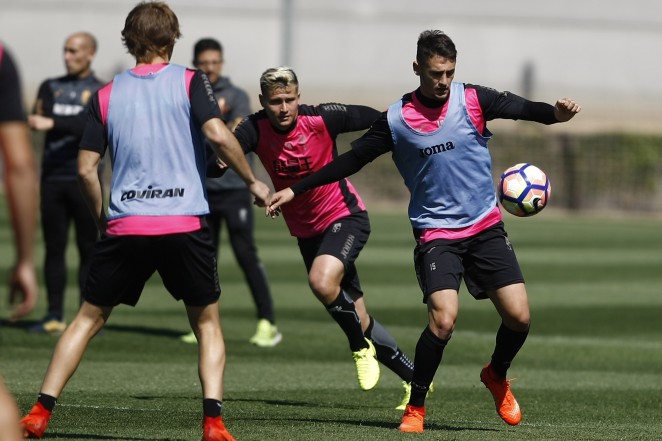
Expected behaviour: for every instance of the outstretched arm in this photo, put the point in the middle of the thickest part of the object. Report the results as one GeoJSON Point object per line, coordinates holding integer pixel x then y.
{"type": "Point", "coordinates": [506, 105]}
{"type": "Point", "coordinates": [344, 165]}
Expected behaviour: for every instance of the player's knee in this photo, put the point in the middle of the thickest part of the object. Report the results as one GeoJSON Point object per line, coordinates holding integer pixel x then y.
{"type": "Point", "coordinates": [323, 289]}
{"type": "Point", "coordinates": [519, 322]}
{"type": "Point", "coordinates": [443, 325]}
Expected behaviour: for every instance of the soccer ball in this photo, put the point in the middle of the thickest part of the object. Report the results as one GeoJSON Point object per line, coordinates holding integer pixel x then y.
{"type": "Point", "coordinates": [524, 190]}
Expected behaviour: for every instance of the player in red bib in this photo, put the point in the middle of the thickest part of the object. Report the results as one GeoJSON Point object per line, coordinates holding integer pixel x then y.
{"type": "Point", "coordinates": [330, 223]}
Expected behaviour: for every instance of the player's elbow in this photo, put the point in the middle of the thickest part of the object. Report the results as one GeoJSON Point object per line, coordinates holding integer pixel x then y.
{"type": "Point", "coordinates": [88, 165]}
{"type": "Point", "coordinates": [216, 133]}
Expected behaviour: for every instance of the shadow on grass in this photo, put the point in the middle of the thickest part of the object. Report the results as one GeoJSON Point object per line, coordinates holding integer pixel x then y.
{"type": "Point", "coordinates": [391, 424]}
{"type": "Point", "coordinates": [145, 330]}
{"type": "Point", "coordinates": [293, 403]}
{"type": "Point", "coordinates": [360, 423]}
{"type": "Point", "coordinates": [134, 329]}
{"type": "Point", "coordinates": [21, 324]}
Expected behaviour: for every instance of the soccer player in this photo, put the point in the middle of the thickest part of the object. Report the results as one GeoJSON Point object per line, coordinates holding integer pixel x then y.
{"type": "Point", "coordinates": [230, 200]}
{"type": "Point", "coordinates": [437, 136]}
{"type": "Point", "coordinates": [331, 223]}
{"type": "Point", "coordinates": [154, 119]}
{"type": "Point", "coordinates": [20, 182]}
{"type": "Point", "coordinates": [59, 111]}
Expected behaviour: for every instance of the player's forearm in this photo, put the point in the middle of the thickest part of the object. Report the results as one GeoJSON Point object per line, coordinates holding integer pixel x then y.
{"type": "Point", "coordinates": [234, 157]}
{"type": "Point", "coordinates": [344, 165]}
{"type": "Point", "coordinates": [91, 188]}
{"type": "Point", "coordinates": [21, 184]}
{"type": "Point", "coordinates": [88, 178]}
{"type": "Point", "coordinates": [226, 146]}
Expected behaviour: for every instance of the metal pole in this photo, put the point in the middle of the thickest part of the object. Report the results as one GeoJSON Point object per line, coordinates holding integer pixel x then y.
{"type": "Point", "coordinates": [287, 24]}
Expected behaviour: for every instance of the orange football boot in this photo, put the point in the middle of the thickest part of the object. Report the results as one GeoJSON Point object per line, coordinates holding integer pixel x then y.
{"type": "Point", "coordinates": [34, 423]}
{"type": "Point", "coordinates": [412, 420]}
{"type": "Point", "coordinates": [213, 429]}
{"type": "Point", "coordinates": [506, 404]}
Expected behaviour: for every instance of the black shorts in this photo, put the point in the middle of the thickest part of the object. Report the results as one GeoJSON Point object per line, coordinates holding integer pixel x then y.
{"type": "Point", "coordinates": [344, 239]}
{"type": "Point", "coordinates": [121, 265]}
{"type": "Point", "coordinates": [486, 261]}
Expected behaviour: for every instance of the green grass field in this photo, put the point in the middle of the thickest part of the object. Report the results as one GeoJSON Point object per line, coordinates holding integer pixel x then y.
{"type": "Point", "coordinates": [591, 369]}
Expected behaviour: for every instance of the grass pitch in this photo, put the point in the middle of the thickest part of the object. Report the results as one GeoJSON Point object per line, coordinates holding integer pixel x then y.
{"type": "Point", "coordinates": [591, 369]}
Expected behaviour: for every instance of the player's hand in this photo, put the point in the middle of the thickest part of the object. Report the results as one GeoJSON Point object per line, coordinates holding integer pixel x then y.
{"type": "Point", "coordinates": [565, 109]}
{"type": "Point", "coordinates": [282, 197]}
{"type": "Point", "coordinates": [23, 289]}
{"type": "Point", "coordinates": [261, 192]}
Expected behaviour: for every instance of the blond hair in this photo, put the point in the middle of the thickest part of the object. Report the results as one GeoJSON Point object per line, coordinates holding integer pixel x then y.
{"type": "Point", "coordinates": [277, 77]}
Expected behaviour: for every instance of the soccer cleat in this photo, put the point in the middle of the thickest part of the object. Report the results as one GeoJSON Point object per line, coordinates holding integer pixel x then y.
{"type": "Point", "coordinates": [405, 398]}
{"type": "Point", "coordinates": [407, 395]}
{"type": "Point", "coordinates": [34, 423]}
{"type": "Point", "coordinates": [213, 429]}
{"type": "Point", "coordinates": [49, 325]}
{"type": "Point", "coordinates": [189, 338]}
{"type": "Point", "coordinates": [266, 335]}
{"type": "Point", "coordinates": [367, 366]}
{"type": "Point", "coordinates": [506, 404]}
{"type": "Point", "coordinates": [412, 420]}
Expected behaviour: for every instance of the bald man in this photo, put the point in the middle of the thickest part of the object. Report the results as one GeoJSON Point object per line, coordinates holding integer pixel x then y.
{"type": "Point", "coordinates": [59, 111]}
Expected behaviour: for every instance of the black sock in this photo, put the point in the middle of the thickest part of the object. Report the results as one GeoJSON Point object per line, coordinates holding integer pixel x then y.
{"type": "Point", "coordinates": [429, 351]}
{"type": "Point", "coordinates": [47, 401]}
{"type": "Point", "coordinates": [508, 344]}
{"type": "Point", "coordinates": [388, 352]}
{"type": "Point", "coordinates": [212, 408]}
{"type": "Point", "coordinates": [344, 313]}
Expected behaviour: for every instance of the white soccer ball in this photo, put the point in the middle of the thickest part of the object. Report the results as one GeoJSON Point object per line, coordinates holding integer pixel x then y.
{"type": "Point", "coordinates": [524, 190]}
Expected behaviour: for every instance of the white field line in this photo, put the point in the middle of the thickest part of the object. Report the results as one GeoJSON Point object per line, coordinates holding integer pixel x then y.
{"type": "Point", "coordinates": [88, 406]}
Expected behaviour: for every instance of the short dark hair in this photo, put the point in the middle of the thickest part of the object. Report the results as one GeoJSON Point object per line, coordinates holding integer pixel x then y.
{"type": "Point", "coordinates": [206, 44]}
{"type": "Point", "coordinates": [434, 42]}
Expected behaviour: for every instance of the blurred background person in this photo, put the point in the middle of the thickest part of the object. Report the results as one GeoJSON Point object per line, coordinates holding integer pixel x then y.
{"type": "Point", "coordinates": [20, 182]}
{"type": "Point", "coordinates": [59, 112]}
{"type": "Point", "coordinates": [230, 200]}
